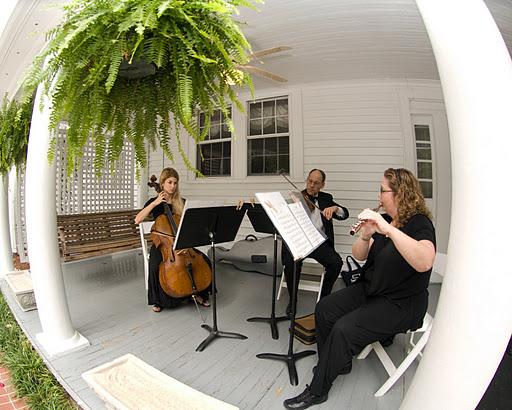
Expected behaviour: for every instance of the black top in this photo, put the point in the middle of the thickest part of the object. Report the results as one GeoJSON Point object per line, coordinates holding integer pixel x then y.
{"type": "Point", "coordinates": [159, 209]}
{"type": "Point", "coordinates": [387, 273]}
{"type": "Point", "coordinates": [325, 200]}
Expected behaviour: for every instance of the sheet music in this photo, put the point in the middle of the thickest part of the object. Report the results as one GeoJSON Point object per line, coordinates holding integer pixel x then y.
{"type": "Point", "coordinates": [292, 222]}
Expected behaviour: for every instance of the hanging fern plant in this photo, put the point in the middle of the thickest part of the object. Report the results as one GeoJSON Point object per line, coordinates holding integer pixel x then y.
{"type": "Point", "coordinates": [119, 70]}
{"type": "Point", "coordinates": [14, 128]}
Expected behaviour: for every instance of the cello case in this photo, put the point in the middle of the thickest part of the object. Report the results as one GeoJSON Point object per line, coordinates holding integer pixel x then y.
{"type": "Point", "coordinates": [251, 254]}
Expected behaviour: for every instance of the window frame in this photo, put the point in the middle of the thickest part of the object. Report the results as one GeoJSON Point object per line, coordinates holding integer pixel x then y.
{"type": "Point", "coordinates": [276, 135]}
{"type": "Point", "coordinates": [239, 141]}
{"type": "Point", "coordinates": [216, 141]}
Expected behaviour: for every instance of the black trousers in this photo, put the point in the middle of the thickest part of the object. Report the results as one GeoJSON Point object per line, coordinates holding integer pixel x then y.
{"type": "Point", "coordinates": [344, 324]}
{"type": "Point", "coordinates": [325, 255]}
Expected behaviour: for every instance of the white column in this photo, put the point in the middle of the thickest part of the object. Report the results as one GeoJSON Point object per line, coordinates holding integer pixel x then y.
{"type": "Point", "coordinates": [5, 237]}
{"type": "Point", "coordinates": [473, 321]}
{"type": "Point", "coordinates": [12, 192]}
{"type": "Point", "coordinates": [58, 335]}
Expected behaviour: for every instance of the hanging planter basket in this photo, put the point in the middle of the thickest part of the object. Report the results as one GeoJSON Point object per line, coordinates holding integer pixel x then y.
{"type": "Point", "coordinates": [137, 71]}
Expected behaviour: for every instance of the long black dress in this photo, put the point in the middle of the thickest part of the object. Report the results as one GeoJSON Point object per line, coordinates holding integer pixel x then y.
{"type": "Point", "coordinates": [156, 295]}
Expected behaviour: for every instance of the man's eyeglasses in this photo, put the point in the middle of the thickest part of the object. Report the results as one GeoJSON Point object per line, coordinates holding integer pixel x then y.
{"type": "Point", "coordinates": [382, 190]}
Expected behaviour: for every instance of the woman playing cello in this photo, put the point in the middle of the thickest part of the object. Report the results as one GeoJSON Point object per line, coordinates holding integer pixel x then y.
{"type": "Point", "coordinates": [170, 193]}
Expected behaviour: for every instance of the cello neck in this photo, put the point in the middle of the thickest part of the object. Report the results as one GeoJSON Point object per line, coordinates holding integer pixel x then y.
{"type": "Point", "coordinates": [169, 215]}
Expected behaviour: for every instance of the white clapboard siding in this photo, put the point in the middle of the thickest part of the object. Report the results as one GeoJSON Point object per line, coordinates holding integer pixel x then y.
{"type": "Point", "coordinates": [351, 130]}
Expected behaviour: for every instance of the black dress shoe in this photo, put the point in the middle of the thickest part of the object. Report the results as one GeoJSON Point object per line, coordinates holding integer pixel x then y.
{"type": "Point", "coordinates": [346, 370]}
{"type": "Point", "coordinates": [304, 400]}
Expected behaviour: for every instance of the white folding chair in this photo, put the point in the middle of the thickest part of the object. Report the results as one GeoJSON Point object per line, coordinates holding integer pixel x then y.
{"type": "Point", "coordinates": [144, 229]}
{"type": "Point", "coordinates": [312, 268]}
{"type": "Point", "coordinates": [414, 349]}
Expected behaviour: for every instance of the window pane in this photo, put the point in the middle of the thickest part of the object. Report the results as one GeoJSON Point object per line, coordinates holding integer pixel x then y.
{"type": "Point", "coordinates": [423, 153]}
{"type": "Point", "coordinates": [205, 169]}
{"type": "Point", "coordinates": [426, 188]}
{"type": "Point", "coordinates": [207, 150]}
{"type": "Point", "coordinates": [255, 110]}
{"type": "Point", "coordinates": [217, 150]}
{"type": "Point", "coordinates": [216, 117]}
{"type": "Point", "coordinates": [224, 117]}
{"type": "Point", "coordinates": [284, 163]}
{"type": "Point", "coordinates": [422, 132]}
{"type": "Point", "coordinates": [282, 107]}
{"type": "Point", "coordinates": [255, 127]}
{"type": "Point", "coordinates": [271, 165]}
{"type": "Point", "coordinates": [425, 170]}
{"type": "Point", "coordinates": [256, 165]}
{"type": "Point", "coordinates": [282, 124]}
{"type": "Point", "coordinates": [226, 166]}
{"type": "Point", "coordinates": [256, 147]}
{"type": "Point", "coordinates": [284, 145]}
{"type": "Point", "coordinates": [206, 137]}
{"type": "Point", "coordinates": [269, 125]}
{"type": "Point", "coordinates": [270, 146]}
{"type": "Point", "coordinates": [215, 132]}
{"type": "Point", "coordinates": [226, 149]}
{"type": "Point", "coordinates": [269, 108]}
{"type": "Point", "coordinates": [226, 133]}
{"type": "Point", "coordinates": [199, 161]}
{"type": "Point", "coordinates": [215, 170]}
{"type": "Point", "coordinates": [201, 119]}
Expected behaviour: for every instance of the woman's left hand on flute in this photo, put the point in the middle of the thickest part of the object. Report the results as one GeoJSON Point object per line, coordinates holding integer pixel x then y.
{"type": "Point", "coordinates": [373, 222]}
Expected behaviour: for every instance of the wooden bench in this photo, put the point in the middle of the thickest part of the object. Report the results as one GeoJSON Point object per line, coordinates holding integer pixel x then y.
{"type": "Point", "coordinates": [85, 235]}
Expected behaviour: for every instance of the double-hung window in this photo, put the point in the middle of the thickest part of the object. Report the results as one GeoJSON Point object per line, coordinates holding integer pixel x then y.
{"type": "Point", "coordinates": [268, 140]}
{"type": "Point", "coordinates": [214, 153]}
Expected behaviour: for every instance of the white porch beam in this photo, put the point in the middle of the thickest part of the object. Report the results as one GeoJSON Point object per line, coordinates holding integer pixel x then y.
{"type": "Point", "coordinates": [473, 321]}
{"type": "Point", "coordinates": [58, 335]}
{"type": "Point", "coordinates": [5, 237]}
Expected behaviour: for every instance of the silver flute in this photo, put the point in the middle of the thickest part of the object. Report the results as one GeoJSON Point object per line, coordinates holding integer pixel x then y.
{"type": "Point", "coordinates": [355, 228]}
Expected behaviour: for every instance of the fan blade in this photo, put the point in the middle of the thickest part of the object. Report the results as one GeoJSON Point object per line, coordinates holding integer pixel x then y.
{"type": "Point", "coordinates": [263, 73]}
{"type": "Point", "coordinates": [266, 52]}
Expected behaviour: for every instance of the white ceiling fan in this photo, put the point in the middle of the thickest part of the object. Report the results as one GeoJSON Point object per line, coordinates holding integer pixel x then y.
{"type": "Point", "coordinates": [256, 56]}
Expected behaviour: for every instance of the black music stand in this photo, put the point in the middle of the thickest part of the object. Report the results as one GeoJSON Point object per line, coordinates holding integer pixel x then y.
{"type": "Point", "coordinates": [290, 358]}
{"type": "Point", "coordinates": [262, 223]}
{"type": "Point", "coordinates": [208, 226]}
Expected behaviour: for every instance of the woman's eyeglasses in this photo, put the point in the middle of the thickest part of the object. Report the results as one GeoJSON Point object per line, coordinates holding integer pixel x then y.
{"type": "Point", "coordinates": [382, 190]}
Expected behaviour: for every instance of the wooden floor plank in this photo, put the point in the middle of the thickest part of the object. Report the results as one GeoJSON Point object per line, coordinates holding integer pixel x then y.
{"type": "Point", "coordinates": [108, 306]}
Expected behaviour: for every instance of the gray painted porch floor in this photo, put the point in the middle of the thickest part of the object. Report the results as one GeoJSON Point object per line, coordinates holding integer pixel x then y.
{"type": "Point", "coordinates": [107, 302]}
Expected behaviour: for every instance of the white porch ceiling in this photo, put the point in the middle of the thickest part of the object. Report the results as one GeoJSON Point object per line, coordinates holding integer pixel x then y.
{"type": "Point", "coordinates": [331, 40]}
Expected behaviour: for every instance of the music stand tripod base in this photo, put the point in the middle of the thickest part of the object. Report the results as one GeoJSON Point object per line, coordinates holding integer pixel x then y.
{"type": "Point", "coordinates": [201, 226]}
{"type": "Point", "coordinates": [214, 333]}
{"type": "Point", "coordinates": [272, 320]}
{"type": "Point", "coordinates": [290, 358]}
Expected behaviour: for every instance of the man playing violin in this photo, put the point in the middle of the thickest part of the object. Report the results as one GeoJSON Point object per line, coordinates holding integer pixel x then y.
{"type": "Point", "coordinates": [323, 212]}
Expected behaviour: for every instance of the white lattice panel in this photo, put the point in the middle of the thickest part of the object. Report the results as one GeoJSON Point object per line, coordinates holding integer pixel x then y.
{"type": "Point", "coordinates": [82, 191]}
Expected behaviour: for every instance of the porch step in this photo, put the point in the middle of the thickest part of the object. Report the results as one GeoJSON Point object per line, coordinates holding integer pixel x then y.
{"type": "Point", "coordinates": [129, 383]}
{"type": "Point", "coordinates": [20, 283]}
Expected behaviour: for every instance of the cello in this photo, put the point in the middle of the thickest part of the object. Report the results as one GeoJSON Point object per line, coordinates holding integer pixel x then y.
{"type": "Point", "coordinates": [184, 272]}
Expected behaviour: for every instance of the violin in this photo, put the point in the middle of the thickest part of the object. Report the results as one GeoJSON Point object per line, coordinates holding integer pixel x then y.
{"type": "Point", "coordinates": [311, 204]}
{"type": "Point", "coordinates": [182, 273]}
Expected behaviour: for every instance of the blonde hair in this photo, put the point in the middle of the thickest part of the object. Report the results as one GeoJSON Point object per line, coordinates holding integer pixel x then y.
{"type": "Point", "coordinates": [177, 200]}
{"type": "Point", "coordinates": [408, 195]}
